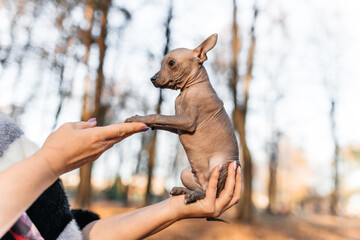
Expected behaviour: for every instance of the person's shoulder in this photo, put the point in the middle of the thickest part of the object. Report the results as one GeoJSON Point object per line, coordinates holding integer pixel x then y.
{"type": "Point", "coordinates": [8, 125]}
{"type": "Point", "coordinates": [14, 145]}
{"type": "Point", "coordinates": [9, 132]}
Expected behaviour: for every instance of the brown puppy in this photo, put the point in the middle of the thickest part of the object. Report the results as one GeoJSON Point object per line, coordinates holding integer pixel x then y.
{"type": "Point", "coordinates": [200, 119]}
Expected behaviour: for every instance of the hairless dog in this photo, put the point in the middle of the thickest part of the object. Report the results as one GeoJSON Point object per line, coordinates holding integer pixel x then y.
{"type": "Point", "coordinates": [200, 120]}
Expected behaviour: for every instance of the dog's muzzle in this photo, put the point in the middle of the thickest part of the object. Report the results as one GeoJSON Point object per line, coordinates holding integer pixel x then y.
{"type": "Point", "coordinates": [153, 78]}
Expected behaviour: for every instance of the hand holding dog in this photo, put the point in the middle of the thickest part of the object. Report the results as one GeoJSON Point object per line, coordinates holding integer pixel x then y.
{"type": "Point", "coordinates": [210, 206]}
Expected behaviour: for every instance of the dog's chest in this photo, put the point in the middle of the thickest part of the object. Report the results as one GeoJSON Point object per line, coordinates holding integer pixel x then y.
{"type": "Point", "coordinates": [180, 104]}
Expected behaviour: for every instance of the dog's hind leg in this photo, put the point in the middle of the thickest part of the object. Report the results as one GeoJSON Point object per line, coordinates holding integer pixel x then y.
{"type": "Point", "coordinates": [190, 196]}
{"type": "Point", "coordinates": [178, 191]}
{"type": "Point", "coordinates": [190, 181]}
{"type": "Point", "coordinates": [193, 196]}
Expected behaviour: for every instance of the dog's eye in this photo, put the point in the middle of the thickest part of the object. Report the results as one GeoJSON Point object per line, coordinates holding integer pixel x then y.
{"type": "Point", "coordinates": [171, 63]}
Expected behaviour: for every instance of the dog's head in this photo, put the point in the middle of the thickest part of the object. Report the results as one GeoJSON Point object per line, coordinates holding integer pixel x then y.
{"type": "Point", "coordinates": [181, 65]}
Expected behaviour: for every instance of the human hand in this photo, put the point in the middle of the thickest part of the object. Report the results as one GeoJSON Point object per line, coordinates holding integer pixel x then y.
{"type": "Point", "coordinates": [78, 143]}
{"type": "Point", "coordinates": [211, 206]}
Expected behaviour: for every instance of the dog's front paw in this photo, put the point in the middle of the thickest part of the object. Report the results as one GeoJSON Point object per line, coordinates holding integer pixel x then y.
{"type": "Point", "coordinates": [193, 196]}
{"type": "Point", "coordinates": [135, 118]}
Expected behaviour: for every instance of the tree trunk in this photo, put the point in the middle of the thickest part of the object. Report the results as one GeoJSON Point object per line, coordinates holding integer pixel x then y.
{"type": "Point", "coordinates": [140, 154]}
{"type": "Point", "coordinates": [152, 146]}
{"type": "Point", "coordinates": [273, 165]}
{"type": "Point", "coordinates": [239, 113]}
{"type": "Point", "coordinates": [335, 194]}
{"type": "Point", "coordinates": [245, 206]}
{"type": "Point", "coordinates": [151, 163]}
{"type": "Point", "coordinates": [83, 197]}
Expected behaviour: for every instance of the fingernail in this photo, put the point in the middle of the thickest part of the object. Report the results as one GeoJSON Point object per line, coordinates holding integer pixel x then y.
{"type": "Point", "coordinates": [221, 166]}
{"type": "Point", "coordinates": [92, 120]}
{"type": "Point", "coordinates": [235, 165]}
{"type": "Point", "coordinates": [143, 129]}
{"type": "Point", "coordinates": [239, 170]}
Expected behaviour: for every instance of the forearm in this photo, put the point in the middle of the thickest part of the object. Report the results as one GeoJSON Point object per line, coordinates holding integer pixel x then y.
{"type": "Point", "coordinates": [136, 224]}
{"type": "Point", "coordinates": [184, 122]}
{"type": "Point", "coordinates": [20, 185]}
{"type": "Point", "coordinates": [172, 130]}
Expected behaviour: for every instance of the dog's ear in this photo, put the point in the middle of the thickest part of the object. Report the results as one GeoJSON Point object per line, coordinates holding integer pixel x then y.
{"type": "Point", "coordinates": [205, 46]}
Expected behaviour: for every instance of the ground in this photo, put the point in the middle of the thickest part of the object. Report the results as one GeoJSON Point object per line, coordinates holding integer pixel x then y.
{"type": "Point", "coordinates": [307, 227]}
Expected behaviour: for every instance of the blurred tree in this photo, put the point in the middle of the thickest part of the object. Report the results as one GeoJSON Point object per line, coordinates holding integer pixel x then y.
{"type": "Point", "coordinates": [240, 109]}
{"type": "Point", "coordinates": [152, 144]}
{"type": "Point", "coordinates": [96, 14]}
{"type": "Point", "coordinates": [274, 96]}
{"type": "Point", "coordinates": [330, 82]}
{"type": "Point", "coordinates": [117, 191]}
{"type": "Point", "coordinates": [18, 47]}
{"type": "Point", "coordinates": [143, 154]}
{"type": "Point", "coordinates": [93, 107]}
{"type": "Point", "coordinates": [94, 38]}
{"type": "Point", "coordinates": [273, 165]}
{"type": "Point", "coordinates": [334, 209]}
{"type": "Point", "coordinates": [329, 59]}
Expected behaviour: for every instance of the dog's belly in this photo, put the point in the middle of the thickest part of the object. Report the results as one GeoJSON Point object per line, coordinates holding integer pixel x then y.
{"type": "Point", "coordinates": [212, 144]}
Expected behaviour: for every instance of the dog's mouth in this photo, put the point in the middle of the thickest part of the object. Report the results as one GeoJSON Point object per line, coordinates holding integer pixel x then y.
{"type": "Point", "coordinates": [156, 84]}
{"type": "Point", "coordinates": [169, 84]}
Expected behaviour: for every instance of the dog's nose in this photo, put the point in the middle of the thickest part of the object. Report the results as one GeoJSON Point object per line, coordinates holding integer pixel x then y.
{"type": "Point", "coordinates": [153, 78]}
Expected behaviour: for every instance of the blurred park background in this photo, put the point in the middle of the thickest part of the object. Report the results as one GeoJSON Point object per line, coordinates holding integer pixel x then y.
{"type": "Point", "coordinates": [287, 71]}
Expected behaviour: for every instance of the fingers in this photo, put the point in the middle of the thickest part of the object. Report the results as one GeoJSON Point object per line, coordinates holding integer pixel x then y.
{"type": "Point", "coordinates": [212, 186]}
{"type": "Point", "coordinates": [237, 191]}
{"type": "Point", "coordinates": [128, 129]}
{"type": "Point", "coordinates": [238, 186]}
{"type": "Point", "coordinates": [84, 125]}
{"type": "Point", "coordinates": [227, 194]}
{"type": "Point", "coordinates": [122, 130]}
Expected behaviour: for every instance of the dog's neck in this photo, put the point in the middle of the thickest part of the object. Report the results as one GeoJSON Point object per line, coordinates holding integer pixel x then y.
{"type": "Point", "coordinates": [200, 77]}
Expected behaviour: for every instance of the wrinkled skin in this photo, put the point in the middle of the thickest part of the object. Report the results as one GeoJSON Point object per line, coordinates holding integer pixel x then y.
{"type": "Point", "coordinates": [200, 120]}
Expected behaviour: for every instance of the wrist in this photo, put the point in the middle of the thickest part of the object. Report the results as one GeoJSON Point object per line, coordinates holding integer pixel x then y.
{"type": "Point", "coordinates": [177, 207]}
{"type": "Point", "coordinates": [52, 166]}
